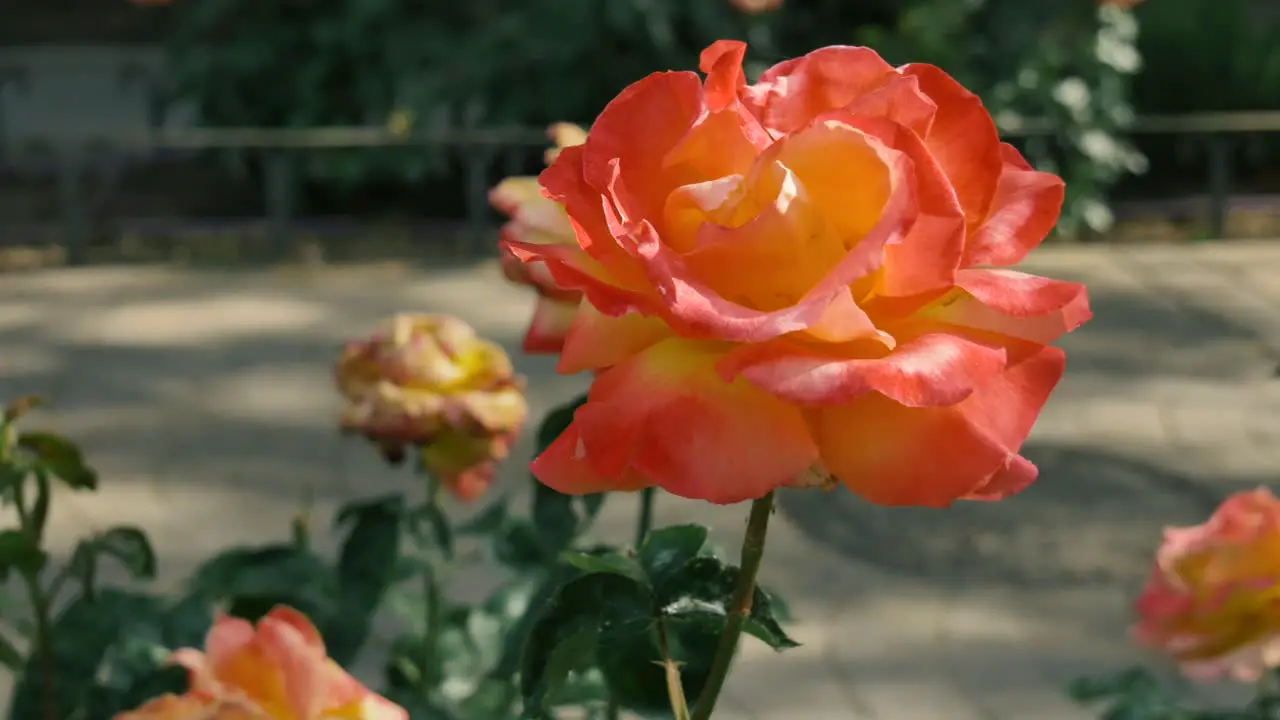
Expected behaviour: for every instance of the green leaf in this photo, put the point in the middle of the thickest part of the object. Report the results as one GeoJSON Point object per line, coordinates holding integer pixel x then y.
{"type": "Point", "coordinates": [666, 550]}
{"type": "Point", "coordinates": [20, 551]}
{"type": "Point", "coordinates": [705, 585]}
{"type": "Point", "coordinates": [253, 580]}
{"type": "Point", "coordinates": [38, 516]}
{"type": "Point", "coordinates": [611, 609]}
{"type": "Point", "coordinates": [526, 616]}
{"type": "Point", "coordinates": [10, 656]}
{"type": "Point", "coordinates": [61, 457]}
{"type": "Point", "coordinates": [84, 567]}
{"type": "Point", "coordinates": [366, 569]}
{"type": "Point", "coordinates": [130, 546]}
{"type": "Point", "coordinates": [82, 636]}
{"type": "Point", "coordinates": [519, 546]}
{"type": "Point", "coordinates": [563, 640]}
{"type": "Point", "coordinates": [633, 665]}
{"type": "Point", "coordinates": [609, 562]}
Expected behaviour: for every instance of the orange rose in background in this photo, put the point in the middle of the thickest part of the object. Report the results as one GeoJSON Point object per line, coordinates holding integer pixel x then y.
{"type": "Point", "coordinates": [800, 279]}
{"type": "Point", "coordinates": [275, 671]}
{"type": "Point", "coordinates": [429, 381]}
{"type": "Point", "coordinates": [536, 219]}
{"type": "Point", "coordinates": [1213, 599]}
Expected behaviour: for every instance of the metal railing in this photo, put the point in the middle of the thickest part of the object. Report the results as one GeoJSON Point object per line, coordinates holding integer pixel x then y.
{"type": "Point", "coordinates": [281, 149]}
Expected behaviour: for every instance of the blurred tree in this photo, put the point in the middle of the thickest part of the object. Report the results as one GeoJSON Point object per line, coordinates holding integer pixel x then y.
{"type": "Point", "coordinates": [1066, 62]}
{"type": "Point", "coordinates": [532, 62]}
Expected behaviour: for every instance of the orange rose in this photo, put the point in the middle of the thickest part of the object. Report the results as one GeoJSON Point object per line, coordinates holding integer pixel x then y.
{"type": "Point", "coordinates": [537, 219]}
{"type": "Point", "coordinates": [797, 279]}
{"type": "Point", "coordinates": [1213, 598]}
{"type": "Point", "coordinates": [276, 671]}
{"type": "Point", "coordinates": [428, 381]}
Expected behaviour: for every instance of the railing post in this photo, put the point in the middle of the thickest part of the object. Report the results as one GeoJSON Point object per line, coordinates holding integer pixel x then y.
{"type": "Point", "coordinates": [71, 200]}
{"type": "Point", "coordinates": [1219, 146]}
{"type": "Point", "coordinates": [19, 79]}
{"type": "Point", "coordinates": [280, 187]}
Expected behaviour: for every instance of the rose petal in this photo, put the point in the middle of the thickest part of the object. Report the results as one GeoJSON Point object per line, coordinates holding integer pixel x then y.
{"type": "Point", "coordinates": [1014, 304]}
{"type": "Point", "coordinates": [563, 467]}
{"type": "Point", "coordinates": [895, 455]}
{"type": "Point", "coordinates": [690, 301]}
{"type": "Point", "coordinates": [571, 268]}
{"type": "Point", "coordinates": [551, 322]}
{"type": "Point", "coordinates": [596, 341]}
{"type": "Point", "coordinates": [927, 258]}
{"type": "Point", "coordinates": [792, 93]}
{"type": "Point", "coordinates": [963, 140]}
{"type": "Point", "coordinates": [666, 415]}
{"type": "Point", "coordinates": [931, 370]}
{"type": "Point", "coordinates": [1024, 210]}
{"type": "Point", "coordinates": [635, 131]}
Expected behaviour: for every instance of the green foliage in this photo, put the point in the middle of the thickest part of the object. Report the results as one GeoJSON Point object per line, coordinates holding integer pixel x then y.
{"type": "Point", "coordinates": [626, 614]}
{"type": "Point", "coordinates": [570, 625]}
{"type": "Point", "coordinates": [1205, 55]}
{"type": "Point", "coordinates": [1069, 66]}
{"type": "Point", "coordinates": [106, 655]}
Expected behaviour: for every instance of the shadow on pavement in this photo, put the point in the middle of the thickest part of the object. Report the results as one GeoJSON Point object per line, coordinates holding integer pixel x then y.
{"type": "Point", "coordinates": [1093, 517]}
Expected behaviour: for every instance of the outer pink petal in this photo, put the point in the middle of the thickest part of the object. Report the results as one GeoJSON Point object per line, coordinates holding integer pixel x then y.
{"type": "Point", "coordinates": [721, 62]}
{"type": "Point", "coordinates": [932, 370]}
{"type": "Point", "coordinates": [573, 269]}
{"type": "Point", "coordinates": [294, 646]}
{"type": "Point", "coordinates": [666, 415]}
{"type": "Point", "coordinates": [635, 131]}
{"type": "Point", "coordinates": [1015, 304]}
{"type": "Point", "coordinates": [963, 139]}
{"type": "Point", "coordinates": [564, 467]}
{"type": "Point", "coordinates": [792, 93]}
{"type": "Point", "coordinates": [895, 455]}
{"type": "Point", "coordinates": [1024, 210]}
{"type": "Point", "coordinates": [226, 637]}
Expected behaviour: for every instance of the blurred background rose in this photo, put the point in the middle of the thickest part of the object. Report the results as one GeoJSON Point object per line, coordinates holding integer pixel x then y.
{"type": "Point", "coordinates": [428, 382]}
{"type": "Point", "coordinates": [1212, 601]}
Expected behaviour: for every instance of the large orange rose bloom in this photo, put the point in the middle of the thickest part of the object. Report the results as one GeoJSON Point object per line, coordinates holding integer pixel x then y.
{"type": "Point", "coordinates": [1213, 598]}
{"type": "Point", "coordinates": [797, 280]}
{"type": "Point", "coordinates": [277, 670]}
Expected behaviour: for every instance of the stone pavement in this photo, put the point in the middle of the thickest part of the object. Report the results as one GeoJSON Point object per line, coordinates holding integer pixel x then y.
{"type": "Point", "coordinates": [204, 398]}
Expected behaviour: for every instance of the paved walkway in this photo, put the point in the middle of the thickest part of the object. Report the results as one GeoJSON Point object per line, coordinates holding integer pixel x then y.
{"type": "Point", "coordinates": [204, 398]}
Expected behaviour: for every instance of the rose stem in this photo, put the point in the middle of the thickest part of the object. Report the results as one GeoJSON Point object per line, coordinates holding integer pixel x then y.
{"type": "Point", "coordinates": [431, 652]}
{"type": "Point", "coordinates": [739, 605]}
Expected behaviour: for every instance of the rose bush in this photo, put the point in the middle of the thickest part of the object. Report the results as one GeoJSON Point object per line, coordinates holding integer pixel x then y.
{"type": "Point", "coordinates": [277, 670]}
{"type": "Point", "coordinates": [803, 279]}
{"type": "Point", "coordinates": [1212, 601]}
{"type": "Point", "coordinates": [428, 381]}
{"type": "Point", "coordinates": [537, 219]}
